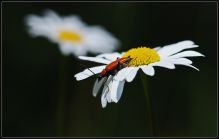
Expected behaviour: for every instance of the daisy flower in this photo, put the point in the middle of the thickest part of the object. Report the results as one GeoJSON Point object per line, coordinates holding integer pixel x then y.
{"type": "Point", "coordinates": [143, 58]}
{"type": "Point", "coordinates": [71, 34]}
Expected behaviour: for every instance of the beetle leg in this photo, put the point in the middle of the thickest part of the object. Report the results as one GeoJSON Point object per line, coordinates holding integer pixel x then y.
{"type": "Point", "coordinates": [113, 72]}
{"type": "Point", "coordinates": [107, 85]}
{"type": "Point", "coordinates": [125, 65]}
{"type": "Point", "coordinates": [120, 66]}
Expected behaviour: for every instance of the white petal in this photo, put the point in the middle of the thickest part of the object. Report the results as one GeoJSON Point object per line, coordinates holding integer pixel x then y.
{"type": "Point", "coordinates": [147, 69]}
{"type": "Point", "coordinates": [116, 90]}
{"type": "Point", "coordinates": [120, 90]}
{"type": "Point", "coordinates": [103, 99]}
{"type": "Point", "coordinates": [37, 26]}
{"type": "Point", "coordinates": [73, 22]}
{"type": "Point", "coordinates": [105, 92]}
{"type": "Point", "coordinates": [131, 75]}
{"type": "Point", "coordinates": [108, 97]}
{"type": "Point", "coordinates": [180, 60]}
{"type": "Point", "coordinates": [121, 75]}
{"type": "Point", "coordinates": [51, 16]}
{"type": "Point", "coordinates": [175, 48]}
{"type": "Point", "coordinates": [186, 54]}
{"type": "Point", "coordinates": [87, 73]}
{"type": "Point", "coordinates": [44, 26]}
{"type": "Point", "coordinates": [191, 66]}
{"type": "Point", "coordinates": [97, 86]}
{"type": "Point", "coordinates": [113, 90]}
{"type": "Point", "coordinates": [68, 48]}
{"type": "Point", "coordinates": [110, 56]}
{"type": "Point", "coordinates": [164, 64]}
{"type": "Point", "coordinates": [99, 40]}
{"type": "Point", "coordinates": [107, 84]}
{"type": "Point", "coordinates": [95, 59]}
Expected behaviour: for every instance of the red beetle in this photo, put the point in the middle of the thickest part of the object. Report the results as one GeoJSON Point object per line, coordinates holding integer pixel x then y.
{"type": "Point", "coordinates": [110, 69]}
{"type": "Point", "coordinates": [114, 67]}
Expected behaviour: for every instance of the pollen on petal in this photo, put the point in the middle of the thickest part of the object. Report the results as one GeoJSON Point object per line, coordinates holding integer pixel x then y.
{"type": "Point", "coordinates": [142, 56]}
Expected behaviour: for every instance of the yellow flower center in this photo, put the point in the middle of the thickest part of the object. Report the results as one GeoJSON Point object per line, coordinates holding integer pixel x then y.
{"type": "Point", "coordinates": [142, 56]}
{"type": "Point", "coordinates": [69, 36]}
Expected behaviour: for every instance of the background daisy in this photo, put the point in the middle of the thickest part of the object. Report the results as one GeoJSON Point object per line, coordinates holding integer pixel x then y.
{"type": "Point", "coordinates": [71, 34]}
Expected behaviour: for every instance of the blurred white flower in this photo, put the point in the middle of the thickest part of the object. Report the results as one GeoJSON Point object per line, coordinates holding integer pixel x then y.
{"type": "Point", "coordinates": [142, 58]}
{"type": "Point", "coordinates": [72, 35]}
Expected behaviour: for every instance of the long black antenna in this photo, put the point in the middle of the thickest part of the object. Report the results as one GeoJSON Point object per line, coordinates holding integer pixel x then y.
{"type": "Point", "coordinates": [89, 69]}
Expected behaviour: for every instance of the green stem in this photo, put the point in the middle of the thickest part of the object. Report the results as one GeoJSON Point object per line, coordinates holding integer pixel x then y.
{"type": "Point", "coordinates": [149, 107]}
{"type": "Point", "coordinates": [61, 97]}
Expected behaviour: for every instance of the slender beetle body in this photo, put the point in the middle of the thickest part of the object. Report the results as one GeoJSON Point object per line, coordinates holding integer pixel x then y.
{"type": "Point", "coordinates": [114, 67]}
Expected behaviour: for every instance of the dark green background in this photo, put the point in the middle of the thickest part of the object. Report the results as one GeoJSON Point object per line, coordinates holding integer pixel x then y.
{"type": "Point", "coordinates": [42, 98]}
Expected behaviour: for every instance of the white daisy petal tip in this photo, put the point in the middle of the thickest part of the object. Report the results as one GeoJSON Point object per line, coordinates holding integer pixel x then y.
{"type": "Point", "coordinates": [193, 67]}
{"type": "Point", "coordinates": [80, 77]}
{"type": "Point", "coordinates": [188, 41]}
{"type": "Point", "coordinates": [202, 55]}
{"type": "Point", "coordinates": [131, 74]}
{"type": "Point", "coordinates": [188, 53]}
{"type": "Point", "coordinates": [103, 103]}
{"type": "Point", "coordinates": [171, 49]}
{"type": "Point", "coordinates": [149, 70]}
{"type": "Point", "coordinates": [115, 100]}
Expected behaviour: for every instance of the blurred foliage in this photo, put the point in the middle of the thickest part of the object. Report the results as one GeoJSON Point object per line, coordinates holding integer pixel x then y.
{"type": "Point", "coordinates": [42, 98]}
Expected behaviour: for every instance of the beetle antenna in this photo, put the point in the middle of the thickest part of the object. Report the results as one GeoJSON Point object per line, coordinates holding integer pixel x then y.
{"type": "Point", "coordinates": [91, 70]}
{"type": "Point", "coordinates": [87, 68]}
